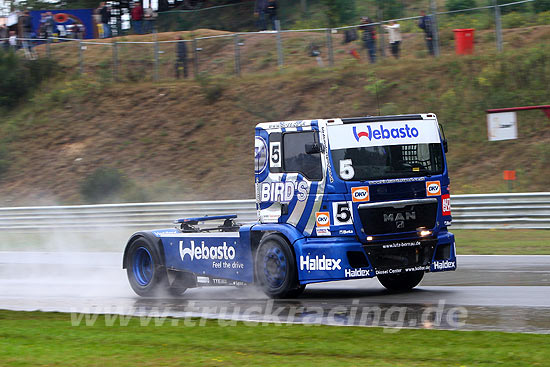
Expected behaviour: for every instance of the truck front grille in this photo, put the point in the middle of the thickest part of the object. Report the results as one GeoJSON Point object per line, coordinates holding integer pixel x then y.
{"type": "Point", "coordinates": [398, 216]}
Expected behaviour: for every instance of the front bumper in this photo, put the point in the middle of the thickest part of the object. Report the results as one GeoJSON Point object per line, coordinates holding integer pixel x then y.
{"type": "Point", "coordinates": [339, 258]}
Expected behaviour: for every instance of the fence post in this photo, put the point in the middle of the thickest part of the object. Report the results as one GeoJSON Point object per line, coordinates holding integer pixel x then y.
{"type": "Point", "coordinates": [48, 48]}
{"type": "Point", "coordinates": [237, 55]}
{"type": "Point", "coordinates": [156, 65]}
{"type": "Point", "coordinates": [115, 61]}
{"type": "Point", "coordinates": [498, 26]}
{"type": "Point", "coordinates": [435, 30]}
{"type": "Point", "coordinates": [80, 58]}
{"type": "Point", "coordinates": [329, 47]}
{"type": "Point", "coordinates": [195, 58]}
{"type": "Point", "coordinates": [280, 60]}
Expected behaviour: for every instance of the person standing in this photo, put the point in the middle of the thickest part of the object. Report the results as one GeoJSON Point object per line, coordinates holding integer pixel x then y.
{"type": "Point", "coordinates": [4, 34]}
{"type": "Point", "coordinates": [105, 14]}
{"type": "Point", "coordinates": [259, 11]}
{"type": "Point", "coordinates": [137, 17]}
{"type": "Point", "coordinates": [426, 24]}
{"type": "Point", "coordinates": [181, 58]}
{"type": "Point", "coordinates": [369, 38]}
{"type": "Point", "coordinates": [271, 11]}
{"type": "Point", "coordinates": [394, 36]}
{"type": "Point", "coordinates": [149, 18]}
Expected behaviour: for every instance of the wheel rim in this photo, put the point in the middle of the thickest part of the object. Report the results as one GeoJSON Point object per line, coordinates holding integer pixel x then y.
{"type": "Point", "coordinates": [142, 266]}
{"type": "Point", "coordinates": [275, 267]}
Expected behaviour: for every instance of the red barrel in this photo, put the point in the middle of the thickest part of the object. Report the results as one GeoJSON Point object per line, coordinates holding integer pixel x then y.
{"type": "Point", "coordinates": [464, 41]}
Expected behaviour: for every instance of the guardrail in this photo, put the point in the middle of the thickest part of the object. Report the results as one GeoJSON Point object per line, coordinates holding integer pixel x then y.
{"type": "Point", "coordinates": [483, 211]}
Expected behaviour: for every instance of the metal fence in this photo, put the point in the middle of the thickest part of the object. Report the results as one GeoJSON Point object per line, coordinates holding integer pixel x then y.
{"type": "Point", "coordinates": [483, 211]}
{"type": "Point", "coordinates": [247, 52]}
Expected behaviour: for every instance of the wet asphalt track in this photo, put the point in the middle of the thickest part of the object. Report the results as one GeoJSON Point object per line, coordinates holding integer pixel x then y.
{"type": "Point", "coordinates": [507, 293]}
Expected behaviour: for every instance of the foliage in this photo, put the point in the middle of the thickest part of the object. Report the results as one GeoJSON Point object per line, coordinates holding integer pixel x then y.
{"type": "Point", "coordinates": [4, 159]}
{"type": "Point", "coordinates": [18, 77]}
{"type": "Point", "coordinates": [541, 5]}
{"type": "Point", "coordinates": [212, 90]}
{"type": "Point", "coordinates": [103, 184]}
{"type": "Point", "coordinates": [340, 12]}
{"type": "Point", "coordinates": [453, 5]}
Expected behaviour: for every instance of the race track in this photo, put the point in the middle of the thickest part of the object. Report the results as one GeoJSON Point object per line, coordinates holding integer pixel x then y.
{"type": "Point", "coordinates": [507, 293]}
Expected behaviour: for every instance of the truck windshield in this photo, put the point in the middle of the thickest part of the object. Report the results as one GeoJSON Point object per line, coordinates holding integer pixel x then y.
{"type": "Point", "coordinates": [389, 161]}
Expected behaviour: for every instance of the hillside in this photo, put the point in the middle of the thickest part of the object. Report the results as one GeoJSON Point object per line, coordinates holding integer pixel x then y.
{"type": "Point", "coordinates": [187, 140]}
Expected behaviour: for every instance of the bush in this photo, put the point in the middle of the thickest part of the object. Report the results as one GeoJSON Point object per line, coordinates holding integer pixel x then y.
{"type": "Point", "coordinates": [541, 5]}
{"type": "Point", "coordinates": [453, 5]}
{"type": "Point", "coordinates": [4, 160]}
{"type": "Point", "coordinates": [102, 185]}
{"type": "Point", "coordinates": [18, 77]}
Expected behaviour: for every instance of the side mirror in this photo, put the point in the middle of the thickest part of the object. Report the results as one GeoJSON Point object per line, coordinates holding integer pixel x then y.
{"type": "Point", "coordinates": [445, 146]}
{"type": "Point", "coordinates": [314, 148]}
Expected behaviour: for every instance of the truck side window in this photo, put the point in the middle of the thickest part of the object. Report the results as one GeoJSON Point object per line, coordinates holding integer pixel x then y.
{"type": "Point", "coordinates": [295, 158]}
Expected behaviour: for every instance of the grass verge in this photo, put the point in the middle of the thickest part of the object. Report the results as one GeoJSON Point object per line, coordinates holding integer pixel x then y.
{"type": "Point", "coordinates": [502, 242]}
{"type": "Point", "coordinates": [35, 338]}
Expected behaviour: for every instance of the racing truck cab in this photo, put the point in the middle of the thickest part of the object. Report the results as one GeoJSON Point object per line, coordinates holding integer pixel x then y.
{"type": "Point", "coordinates": [336, 199]}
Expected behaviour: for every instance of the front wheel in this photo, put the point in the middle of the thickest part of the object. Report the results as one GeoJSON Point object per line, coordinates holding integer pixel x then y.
{"type": "Point", "coordinates": [402, 281]}
{"type": "Point", "coordinates": [275, 268]}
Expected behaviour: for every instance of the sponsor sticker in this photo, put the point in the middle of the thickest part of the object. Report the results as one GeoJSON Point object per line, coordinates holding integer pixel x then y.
{"type": "Point", "coordinates": [444, 264]}
{"type": "Point", "coordinates": [446, 204]}
{"type": "Point", "coordinates": [433, 188]}
{"type": "Point", "coordinates": [360, 194]}
{"type": "Point", "coordinates": [357, 273]}
{"type": "Point", "coordinates": [322, 219]}
{"type": "Point", "coordinates": [319, 263]}
{"type": "Point", "coordinates": [260, 154]}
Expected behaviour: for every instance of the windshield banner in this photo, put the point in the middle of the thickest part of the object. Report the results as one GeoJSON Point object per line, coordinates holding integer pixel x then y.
{"type": "Point", "coordinates": [383, 133]}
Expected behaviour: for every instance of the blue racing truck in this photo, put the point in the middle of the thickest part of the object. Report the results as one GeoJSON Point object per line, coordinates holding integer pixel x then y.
{"type": "Point", "coordinates": [336, 199]}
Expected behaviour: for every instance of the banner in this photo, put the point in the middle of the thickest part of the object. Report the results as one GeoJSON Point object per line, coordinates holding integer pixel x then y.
{"type": "Point", "coordinates": [66, 22]}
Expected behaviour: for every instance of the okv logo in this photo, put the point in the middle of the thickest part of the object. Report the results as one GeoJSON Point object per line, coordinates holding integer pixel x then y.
{"type": "Point", "coordinates": [323, 219]}
{"type": "Point", "coordinates": [383, 133]}
{"type": "Point", "coordinates": [203, 252]}
{"type": "Point", "coordinates": [433, 188]}
{"type": "Point", "coordinates": [360, 194]}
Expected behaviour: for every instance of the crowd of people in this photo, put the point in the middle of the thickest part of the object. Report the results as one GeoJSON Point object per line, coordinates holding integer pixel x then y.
{"type": "Point", "coordinates": [369, 36]}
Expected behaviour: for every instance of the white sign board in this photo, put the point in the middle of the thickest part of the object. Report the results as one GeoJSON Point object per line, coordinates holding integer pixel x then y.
{"type": "Point", "coordinates": [383, 133]}
{"type": "Point", "coordinates": [502, 126]}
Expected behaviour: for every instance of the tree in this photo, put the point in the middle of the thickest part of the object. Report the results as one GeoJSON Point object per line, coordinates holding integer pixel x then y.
{"type": "Point", "coordinates": [453, 5]}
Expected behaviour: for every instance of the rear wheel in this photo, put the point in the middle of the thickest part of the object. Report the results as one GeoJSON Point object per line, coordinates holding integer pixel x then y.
{"type": "Point", "coordinates": [402, 281]}
{"type": "Point", "coordinates": [146, 274]}
{"type": "Point", "coordinates": [275, 268]}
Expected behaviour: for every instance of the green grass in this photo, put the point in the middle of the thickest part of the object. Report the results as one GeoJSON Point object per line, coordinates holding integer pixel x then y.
{"type": "Point", "coordinates": [502, 242]}
{"type": "Point", "coordinates": [468, 242]}
{"type": "Point", "coordinates": [34, 338]}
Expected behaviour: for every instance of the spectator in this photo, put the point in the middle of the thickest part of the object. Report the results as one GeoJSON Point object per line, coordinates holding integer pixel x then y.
{"type": "Point", "coordinates": [271, 11]}
{"type": "Point", "coordinates": [369, 38]}
{"type": "Point", "coordinates": [394, 36]}
{"type": "Point", "coordinates": [181, 61]}
{"type": "Point", "coordinates": [149, 17]}
{"type": "Point", "coordinates": [13, 41]}
{"type": "Point", "coordinates": [137, 17]}
{"type": "Point", "coordinates": [259, 11]}
{"type": "Point", "coordinates": [426, 24]}
{"type": "Point", "coordinates": [97, 22]}
{"type": "Point", "coordinates": [105, 14]}
{"type": "Point", "coordinates": [4, 34]}
{"type": "Point", "coordinates": [26, 26]}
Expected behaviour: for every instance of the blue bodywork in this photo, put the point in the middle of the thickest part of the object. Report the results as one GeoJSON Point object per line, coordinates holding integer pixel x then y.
{"type": "Point", "coordinates": [324, 220]}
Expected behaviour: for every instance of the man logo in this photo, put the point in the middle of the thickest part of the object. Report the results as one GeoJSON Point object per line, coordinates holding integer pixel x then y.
{"type": "Point", "coordinates": [360, 194]}
{"type": "Point", "coordinates": [433, 188]}
{"type": "Point", "coordinates": [323, 219]}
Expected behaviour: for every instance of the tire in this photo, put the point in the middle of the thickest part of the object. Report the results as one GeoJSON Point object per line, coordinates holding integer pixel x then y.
{"type": "Point", "coordinates": [275, 268]}
{"type": "Point", "coordinates": [401, 282]}
{"type": "Point", "coordinates": [146, 274]}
